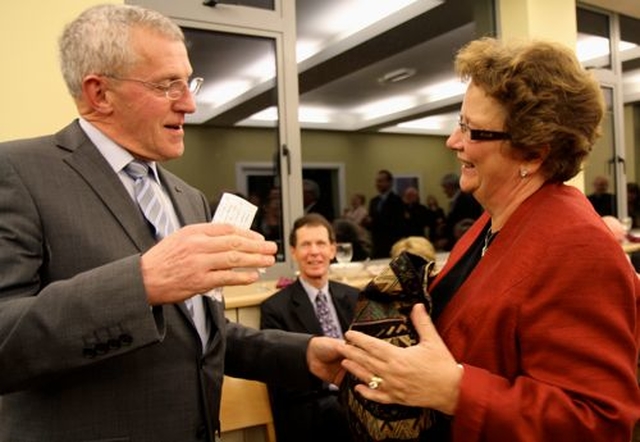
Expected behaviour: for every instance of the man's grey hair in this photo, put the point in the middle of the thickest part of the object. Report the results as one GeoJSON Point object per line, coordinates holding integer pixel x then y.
{"type": "Point", "coordinates": [98, 41]}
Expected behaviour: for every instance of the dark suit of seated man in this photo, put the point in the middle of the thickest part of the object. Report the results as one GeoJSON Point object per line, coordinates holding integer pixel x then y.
{"type": "Point", "coordinates": [313, 415]}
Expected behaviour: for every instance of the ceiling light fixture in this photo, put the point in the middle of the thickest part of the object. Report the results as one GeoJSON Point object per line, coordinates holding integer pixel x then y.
{"type": "Point", "coordinates": [397, 76]}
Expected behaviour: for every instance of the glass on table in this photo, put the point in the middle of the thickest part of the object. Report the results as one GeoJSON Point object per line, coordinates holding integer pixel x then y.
{"type": "Point", "coordinates": [344, 252]}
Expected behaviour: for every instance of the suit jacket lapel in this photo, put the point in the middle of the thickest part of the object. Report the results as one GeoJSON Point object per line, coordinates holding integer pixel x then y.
{"type": "Point", "coordinates": [303, 309]}
{"type": "Point", "coordinates": [87, 161]}
{"type": "Point", "coordinates": [185, 207]}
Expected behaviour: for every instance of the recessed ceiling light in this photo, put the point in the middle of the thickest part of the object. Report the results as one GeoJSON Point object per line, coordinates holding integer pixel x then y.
{"type": "Point", "coordinates": [397, 75]}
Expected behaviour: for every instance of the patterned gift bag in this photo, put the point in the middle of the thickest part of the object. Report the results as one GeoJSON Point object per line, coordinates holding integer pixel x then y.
{"type": "Point", "coordinates": [383, 311]}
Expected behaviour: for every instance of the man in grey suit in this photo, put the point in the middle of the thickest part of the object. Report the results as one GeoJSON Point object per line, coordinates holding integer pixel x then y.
{"type": "Point", "coordinates": [315, 414]}
{"type": "Point", "coordinates": [96, 343]}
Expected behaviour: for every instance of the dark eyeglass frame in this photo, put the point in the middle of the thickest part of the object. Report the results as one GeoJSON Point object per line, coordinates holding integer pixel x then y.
{"type": "Point", "coordinates": [481, 134]}
{"type": "Point", "coordinates": [174, 90]}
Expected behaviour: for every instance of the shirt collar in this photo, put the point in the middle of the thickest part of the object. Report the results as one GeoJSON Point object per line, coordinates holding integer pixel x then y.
{"type": "Point", "coordinates": [117, 156]}
{"type": "Point", "coordinates": [312, 292]}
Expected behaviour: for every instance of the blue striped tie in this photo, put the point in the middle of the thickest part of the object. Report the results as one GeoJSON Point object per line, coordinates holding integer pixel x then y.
{"type": "Point", "coordinates": [149, 198]}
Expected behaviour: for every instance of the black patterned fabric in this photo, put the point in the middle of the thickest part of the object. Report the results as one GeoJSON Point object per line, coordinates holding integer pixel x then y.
{"type": "Point", "coordinates": [383, 311]}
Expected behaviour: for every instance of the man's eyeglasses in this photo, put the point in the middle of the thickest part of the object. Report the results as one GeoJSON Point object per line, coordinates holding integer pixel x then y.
{"type": "Point", "coordinates": [174, 90]}
{"type": "Point", "coordinates": [481, 134]}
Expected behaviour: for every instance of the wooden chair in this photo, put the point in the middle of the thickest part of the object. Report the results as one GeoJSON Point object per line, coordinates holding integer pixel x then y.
{"type": "Point", "coordinates": [245, 404]}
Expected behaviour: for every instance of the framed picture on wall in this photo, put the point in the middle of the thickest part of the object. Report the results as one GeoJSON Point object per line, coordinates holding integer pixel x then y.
{"type": "Point", "coordinates": [401, 182]}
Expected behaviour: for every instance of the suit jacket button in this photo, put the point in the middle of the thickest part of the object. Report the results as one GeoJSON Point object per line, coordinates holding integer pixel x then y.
{"type": "Point", "coordinates": [126, 339]}
{"type": "Point", "coordinates": [101, 348]}
{"type": "Point", "coordinates": [88, 353]}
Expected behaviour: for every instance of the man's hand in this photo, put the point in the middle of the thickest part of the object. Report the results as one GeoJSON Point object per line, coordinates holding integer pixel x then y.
{"type": "Point", "coordinates": [323, 358]}
{"type": "Point", "coordinates": [200, 257]}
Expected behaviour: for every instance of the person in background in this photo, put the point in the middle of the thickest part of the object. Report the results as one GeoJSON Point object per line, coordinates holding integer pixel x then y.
{"type": "Point", "coordinates": [357, 211]}
{"type": "Point", "coordinates": [313, 203]}
{"type": "Point", "coordinates": [416, 215]}
{"type": "Point", "coordinates": [462, 208]}
{"type": "Point", "coordinates": [315, 414]}
{"type": "Point", "coordinates": [348, 231]}
{"type": "Point", "coordinates": [104, 332]}
{"type": "Point", "coordinates": [535, 287]}
{"type": "Point", "coordinates": [255, 199]}
{"type": "Point", "coordinates": [386, 216]}
{"type": "Point", "coordinates": [418, 245]}
{"type": "Point", "coordinates": [602, 200]}
{"type": "Point", "coordinates": [633, 204]}
{"type": "Point", "coordinates": [438, 219]}
{"type": "Point", "coordinates": [271, 216]}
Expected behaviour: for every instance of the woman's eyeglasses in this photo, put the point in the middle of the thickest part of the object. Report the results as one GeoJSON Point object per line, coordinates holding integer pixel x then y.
{"type": "Point", "coordinates": [481, 134]}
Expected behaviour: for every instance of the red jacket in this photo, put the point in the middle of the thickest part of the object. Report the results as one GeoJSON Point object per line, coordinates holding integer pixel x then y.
{"type": "Point", "coordinates": [546, 326]}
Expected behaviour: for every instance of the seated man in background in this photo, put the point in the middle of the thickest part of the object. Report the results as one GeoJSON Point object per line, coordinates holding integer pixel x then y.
{"type": "Point", "coordinates": [314, 415]}
{"type": "Point", "coordinates": [603, 201]}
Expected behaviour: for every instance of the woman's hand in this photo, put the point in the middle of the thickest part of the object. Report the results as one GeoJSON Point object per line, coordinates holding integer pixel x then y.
{"type": "Point", "coordinates": [425, 375]}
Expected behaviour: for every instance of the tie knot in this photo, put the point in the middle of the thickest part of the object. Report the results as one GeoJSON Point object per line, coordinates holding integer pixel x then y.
{"type": "Point", "coordinates": [321, 297]}
{"type": "Point", "coordinates": [137, 169]}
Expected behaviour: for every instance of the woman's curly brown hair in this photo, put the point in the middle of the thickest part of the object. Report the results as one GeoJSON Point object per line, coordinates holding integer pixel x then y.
{"type": "Point", "coordinates": [550, 100]}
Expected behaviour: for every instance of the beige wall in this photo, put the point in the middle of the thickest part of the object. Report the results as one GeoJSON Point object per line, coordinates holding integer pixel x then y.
{"type": "Point", "coordinates": [549, 19]}
{"type": "Point", "coordinates": [35, 100]}
{"type": "Point", "coordinates": [365, 154]}
{"type": "Point", "coordinates": [211, 156]}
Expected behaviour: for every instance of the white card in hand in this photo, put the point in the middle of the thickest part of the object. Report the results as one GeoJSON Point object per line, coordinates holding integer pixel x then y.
{"type": "Point", "coordinates": [235, 211]}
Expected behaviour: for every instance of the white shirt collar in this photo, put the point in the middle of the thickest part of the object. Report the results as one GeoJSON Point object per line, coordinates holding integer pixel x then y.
{"type": "Point", "coordinates": [117, 156]}
{"type": "Point", "coordinates": [312, 292]}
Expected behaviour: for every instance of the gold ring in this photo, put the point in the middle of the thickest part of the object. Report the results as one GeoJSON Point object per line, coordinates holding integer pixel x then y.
{"type": "Point", "coordinates": [375, 382]}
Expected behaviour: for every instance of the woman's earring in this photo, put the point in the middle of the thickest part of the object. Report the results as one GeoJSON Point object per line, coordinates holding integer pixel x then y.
{"type": "Point", "coordinates": [524, 173]}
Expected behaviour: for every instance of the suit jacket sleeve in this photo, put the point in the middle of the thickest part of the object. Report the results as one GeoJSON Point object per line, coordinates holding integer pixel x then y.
{"type": "Point", "coordinates": [272, 356]}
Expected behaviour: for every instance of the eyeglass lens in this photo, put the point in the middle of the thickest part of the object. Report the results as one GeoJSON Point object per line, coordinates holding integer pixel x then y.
{"type": "Point", "coordinates": [480, 134]}
{"type": "Point", "coordinates": [177, 88]}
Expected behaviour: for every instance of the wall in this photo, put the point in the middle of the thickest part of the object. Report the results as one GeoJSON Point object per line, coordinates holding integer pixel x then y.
{"type": "Point", "coordinates": [35, 98]}
{"type": "Point", "coordinates": [211, 154]}
{"type": "Point", "coordinates": [365, 154]}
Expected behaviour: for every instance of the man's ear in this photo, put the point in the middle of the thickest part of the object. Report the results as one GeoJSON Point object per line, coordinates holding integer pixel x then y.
{"type": "Point", "coordinates": [333, 250]}
{"type": "Point", "coordinates": [95, 93]}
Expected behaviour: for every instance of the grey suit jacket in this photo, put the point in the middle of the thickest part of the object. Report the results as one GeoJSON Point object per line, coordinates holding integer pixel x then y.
{"type": "Point", "coordinates": [82, 355]}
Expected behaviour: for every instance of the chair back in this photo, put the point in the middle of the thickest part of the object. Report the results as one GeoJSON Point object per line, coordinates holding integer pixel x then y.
{"type": "Point", "coordinates": [245, 404]}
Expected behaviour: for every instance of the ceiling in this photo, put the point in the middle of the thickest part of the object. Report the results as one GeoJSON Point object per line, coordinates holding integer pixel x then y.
{"type": "Point", "coordinates": [353, 60]}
